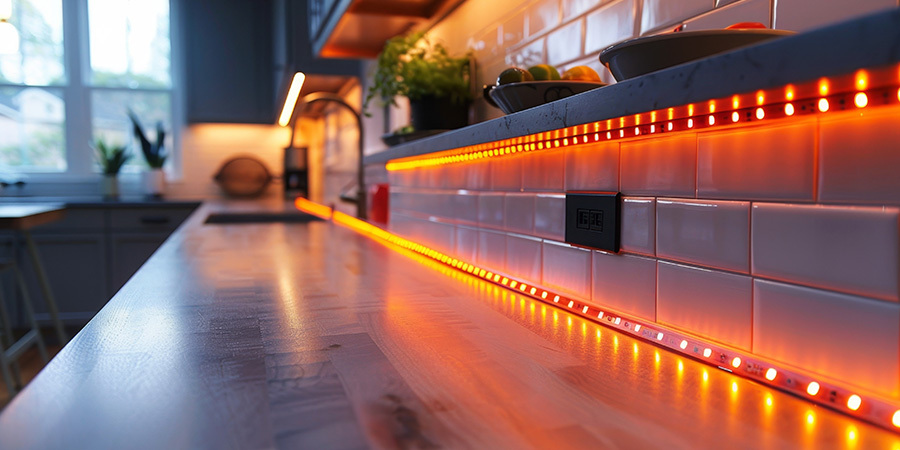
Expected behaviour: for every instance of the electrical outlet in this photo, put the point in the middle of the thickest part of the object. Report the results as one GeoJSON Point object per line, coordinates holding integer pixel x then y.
{"type": "Point", "coordinates": [592, 219]}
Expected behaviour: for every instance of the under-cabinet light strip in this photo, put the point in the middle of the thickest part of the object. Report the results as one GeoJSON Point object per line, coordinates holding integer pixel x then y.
{"type": "Point", "coordinates": [863, 89]}
{"type": "Point", "coordinates": [815, 389]}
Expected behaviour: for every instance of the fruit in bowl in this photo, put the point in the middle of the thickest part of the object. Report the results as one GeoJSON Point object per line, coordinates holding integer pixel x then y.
{"type": "Point", "coordinates": [518, 89]}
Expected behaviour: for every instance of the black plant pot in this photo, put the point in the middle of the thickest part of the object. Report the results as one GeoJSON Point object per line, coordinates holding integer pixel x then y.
{"type": "Point", "coordinates": [438, 113]}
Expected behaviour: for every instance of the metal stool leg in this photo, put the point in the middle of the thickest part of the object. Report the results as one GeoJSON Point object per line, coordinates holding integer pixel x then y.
{"type": "Point", "coordinates": [45, 287]}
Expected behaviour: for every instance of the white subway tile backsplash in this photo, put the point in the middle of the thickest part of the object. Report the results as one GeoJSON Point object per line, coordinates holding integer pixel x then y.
{"type": "Point", "coordinates": [660, 166]}
{"type": "Point", "coordinates": [542, 15]}
{"type": "Point", "coordinates": [523, 257]}
{"type": "Point", "coordinates": [506, 173]}
{"type": "Point", "coordinates": [782, 165]}
{"type": "Point", "coordinates": [573, 8]}
{"type": "Point", "coordinates": [639, 225]}
{"type": "Point", "coordinates": [490, 210]}
{"type": "Point", "coordinates": [492, 250]}
{"type": "Point", "coordinates": [801, 15]}
{"type": "Point", "coordinates": [477, 175]}
{"type": "Point", "coordinates": [607, 25]}
{"type": "Point", "coordinates": [593, 167]}
{"type": "Point", "coordinates": [550, 216]}
{"type": "Point", "coordinates": [544, 171]}
{"type": "Point", "coordinates": [625, 282]}
{"type": "Point", "coordinates": [565, 43]}
{"type": "Point", "coordinates": [849, 249]}
{"type": "Point", "coordinates": [567, 269]}
{"type": "Point", "coordinates": [850, 338]}
{"type": "Point", "coordinates": [466, 242]}
{"type": "Point", "coordinates": [463, 207]}
{"type": "Point", "coordinates": [713, 304]}
{"type": "Point", "coordinates": [518, 213]}
{"type": "Point", "coordinates": [858, 158]}
{"type": "Point", "coordinates": [656, 14]}
{"type": "Point", "coordinates": [527, 55]}
{"type": "Point", "coordinates": [721, 17]}
{"type": "Point", "coordinates": [513, 30]}
{"type": "Point", "coordinates": [705, 232]}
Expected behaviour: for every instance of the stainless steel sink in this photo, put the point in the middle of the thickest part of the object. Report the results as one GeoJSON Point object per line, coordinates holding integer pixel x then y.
{"type": "Point", "coordinates": [258, 217]}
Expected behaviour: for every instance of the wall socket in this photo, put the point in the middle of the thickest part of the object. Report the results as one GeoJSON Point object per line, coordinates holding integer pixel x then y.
{"type": "Point", "coordinates": [592, 219]}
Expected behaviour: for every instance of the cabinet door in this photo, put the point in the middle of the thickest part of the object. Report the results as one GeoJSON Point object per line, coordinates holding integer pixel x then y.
{"type": "Point", "coordinates": [77, 271]}
{"type": "Point", "coordinates": [229, 61]}
{"type": "Point", "coordinates": [128, 253]}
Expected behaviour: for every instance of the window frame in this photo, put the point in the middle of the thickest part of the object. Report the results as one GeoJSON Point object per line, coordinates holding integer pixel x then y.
{"type": "Point", "coordinates": [78, 127]}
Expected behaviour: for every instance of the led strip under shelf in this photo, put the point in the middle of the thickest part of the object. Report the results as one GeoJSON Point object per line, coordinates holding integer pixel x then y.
{"type": "Point", "coordinates": [863, 89]}
{"type": "Point", "coordinates": [827, 393]}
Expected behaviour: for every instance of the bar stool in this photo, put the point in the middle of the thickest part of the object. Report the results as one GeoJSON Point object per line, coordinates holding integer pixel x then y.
{"type": "Point", "coordinates": [10, 348]}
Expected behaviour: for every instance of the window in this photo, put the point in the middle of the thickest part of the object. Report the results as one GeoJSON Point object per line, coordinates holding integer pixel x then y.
{"type": "Point", "coordinates": [80, 66]}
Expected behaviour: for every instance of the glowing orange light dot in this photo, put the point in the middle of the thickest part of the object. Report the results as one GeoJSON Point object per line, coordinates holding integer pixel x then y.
{"type": "Point", "coordinates": [760, 114]}
{"type": "Point", "coordinates": [683, 344]}
{"type": "Point", "coordinates": [860, 100]}
{"type": "Point", "coordinates": [812, 388]}
{"type": "Point", "coordinates": [707, 352]}
{"type": "Point", "coordinates": [712, 120]}
{"type": "Point", "coordinates": [544, 294]}
{"type": "Point", "coordinates": [823, 104]}
{"type": "Point", "coordinates": [896, 419]}
{"type": "Point", "coordinates": [566, 141]}
{"type": "Point", "coordinates": [789, 109]}
{"type": "Point", "coordinates": [571, 303]}
{"type": "Point", "coordinates": [659, 336]}
{"type": "Point", "coordinates": [522, 287]}
{"type": "Point", "coordinates": [854, 402]}
{"type": "Point", "coordinates": [862, 79]}
{"type": "Point", "coordinates": [496, 277]}
{"type": "Point", "coordinates": [823, 87]}
{"type": "Point", "coordinates": [691, 110]}
{"type": "Point", "coordinates": [637, 131]}
{"type": "Point", "coordinates": [735, 102]}
{"type": "Point", "coordinates": [771, 374]}
{"type": "Point", "coordinates": [760, 99]}
{"type": "Point", "coordinates": [637, 328]}
{"type": "Point", "coordinates": [608, 135]}
{"type": "Point", "coordinates": [735, 116]}
{"type": "Point", "coordinates": [653, 128]}
{"type": "Point", "coordinates": [736, 362]}
{"type": "Point", "coordinates": [556, 299]}
{"type": "Point", "coordinates": [584, 310]}
{"type": "Point", "coordinates": [618, 320]}
{"type": "Point", "coordinates": [690, 123]}
{"type": "Point", "coordinates": [670, 123]}
{"type": "Point", "coordinates": [532, 291]}
{"type": "Point", "coordinates": [789, 94]}
{"type": "Point", "coordinates": [513, 284]}
{"type": "Point", "coordinates": [600, 315]}
{"type": "Point", "coordinates": [621, 133]}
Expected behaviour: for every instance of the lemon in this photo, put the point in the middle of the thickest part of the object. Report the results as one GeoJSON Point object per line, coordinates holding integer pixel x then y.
{"type": "Point", "coordinates": [581, 73]}
{"type": "Point", "coordinates": [514, 75]}
{"type": "Point", "coordinates": [543, 72]}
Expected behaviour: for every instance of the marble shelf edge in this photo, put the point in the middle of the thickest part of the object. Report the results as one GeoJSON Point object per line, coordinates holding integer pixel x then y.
{"type": "Point", "coordinates": [828, 51]}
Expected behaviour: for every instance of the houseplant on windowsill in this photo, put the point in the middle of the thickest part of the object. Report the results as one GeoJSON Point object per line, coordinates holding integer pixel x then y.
{"type": "Point", "coordinates": [436, 83]}
{"type": "Point", "coordinates": [111, 159]}
{"type": "Point", "coordinates": [154, 180]}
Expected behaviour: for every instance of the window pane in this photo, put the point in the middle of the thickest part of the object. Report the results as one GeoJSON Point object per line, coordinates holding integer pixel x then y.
{"type": "Point", "coordinates": [32, 122]}
{"type": "Point", "coordinates": [40, 57]}
{"type": "Point", "coordinates": [110, 119]}
{"type": "Point", "coordinates": [129, 43]}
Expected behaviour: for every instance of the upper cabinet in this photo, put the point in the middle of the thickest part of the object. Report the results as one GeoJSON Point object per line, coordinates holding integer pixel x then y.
{"type": "Point", "coordinates": [359, 28]}
{"type": "Point", "coordinates": [229, 60]}
{"type": "Point", "coordinates": [241, 54]}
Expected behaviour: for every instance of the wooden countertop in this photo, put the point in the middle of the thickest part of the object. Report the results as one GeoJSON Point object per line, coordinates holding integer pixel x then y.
{"type": "Point", "coordinates": [312, 336]}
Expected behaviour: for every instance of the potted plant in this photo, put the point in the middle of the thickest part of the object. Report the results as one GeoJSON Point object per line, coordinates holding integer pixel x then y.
{"type": "Point", "coordinates": [111, 159]}
{"type": "Point", "coordinates": [154, 180]}
{"type": "Point", "coordinates": [436, 83]}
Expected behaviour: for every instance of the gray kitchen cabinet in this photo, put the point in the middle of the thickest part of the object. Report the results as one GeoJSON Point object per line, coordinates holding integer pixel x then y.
{"type": "Point", "coordinates": [128, 253]}
{"type": "Point", "coordinates": [91, 253]}
{"type": "Point", "coordinates": [76, 266]}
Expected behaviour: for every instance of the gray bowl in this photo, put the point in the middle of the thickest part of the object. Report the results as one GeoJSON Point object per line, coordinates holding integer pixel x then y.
{"type": "Point", "coordinates": [639, 56]}
{"type": "Point", "coordinates": [515, 97]}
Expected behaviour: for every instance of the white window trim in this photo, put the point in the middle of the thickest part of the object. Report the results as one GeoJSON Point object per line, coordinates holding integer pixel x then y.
{"type": "Point", "coordinates": [77, 96]}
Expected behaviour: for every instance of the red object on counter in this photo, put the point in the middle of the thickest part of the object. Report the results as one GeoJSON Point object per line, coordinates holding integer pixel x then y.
{"type": "Point", "coordinates": [378, 201]}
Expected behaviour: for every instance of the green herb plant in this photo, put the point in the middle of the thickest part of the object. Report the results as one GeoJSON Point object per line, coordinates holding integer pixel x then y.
{"type": "Point", "coordinates": [154, 152]}
{"type": "Point", "coordinates": [111, 157]}
{"type": "Point", "coordinates": [414, 67]}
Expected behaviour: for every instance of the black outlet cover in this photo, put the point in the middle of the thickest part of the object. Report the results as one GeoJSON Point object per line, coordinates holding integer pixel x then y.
{"type": "Point", "coordinates": [592, 219]}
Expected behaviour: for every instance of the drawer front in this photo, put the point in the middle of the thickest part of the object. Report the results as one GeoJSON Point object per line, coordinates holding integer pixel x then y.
{"type": "Point", "coordinates": [149, 219]}
{"type": "Point", "coordinates": [77, 220]}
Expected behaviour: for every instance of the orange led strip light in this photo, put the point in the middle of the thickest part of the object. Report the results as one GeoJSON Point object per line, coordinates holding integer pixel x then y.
{"type": "Point", "coordinates": [816, 389]}
{"type": "Point", "coordinates": [862, 89]}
